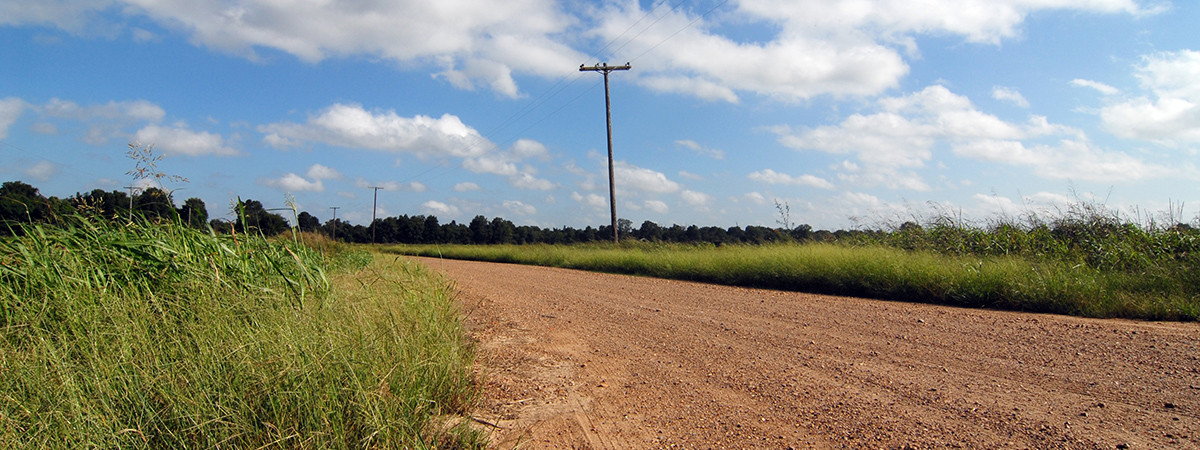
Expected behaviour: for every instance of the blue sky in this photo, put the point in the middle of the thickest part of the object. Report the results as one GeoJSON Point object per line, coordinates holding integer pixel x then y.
{"type": "Point", "coordinates": [855, 112]}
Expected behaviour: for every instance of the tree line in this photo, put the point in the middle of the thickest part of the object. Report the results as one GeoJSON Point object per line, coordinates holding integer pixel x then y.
{"type": "Point", "coordinates": [23, 203]}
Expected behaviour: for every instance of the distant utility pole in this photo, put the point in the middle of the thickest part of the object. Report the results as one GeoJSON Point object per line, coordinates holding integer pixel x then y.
{"type": "Point", "coordinates": [604, 68]}
{"type": "Point", "coordinates": [131, 188]}
{"type": "Point", "coordinates": [374, 206]}
{"type": "Point", "coordinates": [334, 208]}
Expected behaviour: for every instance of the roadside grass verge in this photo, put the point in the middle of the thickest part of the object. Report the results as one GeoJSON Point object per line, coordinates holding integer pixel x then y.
{"type": "Point", "coordinates": [870, 270]}
{"type": "Point", "coordinates": [158, 335]}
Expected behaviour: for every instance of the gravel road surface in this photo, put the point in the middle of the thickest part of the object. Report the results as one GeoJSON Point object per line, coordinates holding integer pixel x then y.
{"type": "Point", "coordinates": [573, 359]}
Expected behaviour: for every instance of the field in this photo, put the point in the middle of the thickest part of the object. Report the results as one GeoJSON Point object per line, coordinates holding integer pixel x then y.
{"type": "Point", "coordinates": [1091, 270]}
{"type": "Point", "coordinates": [150, 335]}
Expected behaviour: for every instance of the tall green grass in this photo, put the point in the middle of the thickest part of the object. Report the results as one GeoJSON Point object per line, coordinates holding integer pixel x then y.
{"type": "Point", "coordinates": [1010, 282]}
{"type": "Point", "coordinates": [158, 335]}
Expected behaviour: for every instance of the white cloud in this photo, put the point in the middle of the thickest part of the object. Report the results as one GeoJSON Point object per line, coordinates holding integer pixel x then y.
{"type": "Point", "coordinates": [629, 176]}
{"type": "Point", "coordinates": [891, 144]}
{"type": "Point", "coordinates": [656, 206]}
{"type": "Point", "coordinates": [103, 121]}
{"type": "Point", "coordinates": [295, 183]}
{"type": "Point", "coordinates": [412, 186]}
{"type": "Point", "coordinates": [438, 208]}
{"type": "Point", "coordinates": [1069, 160]}
{"type": "Point", "coordinates": [180, 140]}
{"type": "Point", "coordinates": [352, 126]}
{"type": "Point", "coordinates": [40, 128]}
{"type": "Point", "coordinates": [528, 181]}
{"type": "Point", "coordinates": [593, 200]}
{"type": "Point", "coordinates": [695, 199]}
{"type": "Point", "coordinates": [135, 110]}
{"type": "Point", "coordinates": [519, 208]}
{"type": "Point", "coordinates": [700, 149]}
{"type": "Point", "coordinates": [819, 47]}
{"type": "Point", "coordinates": [772, 177]}
{"type": "Point", "coordinates": [529, 148]}
{"type": "Point", "coordinates": [679, 49]}
{"type": "Point", "coordinates": [1007, 94]}
{"type": "Point", "coordinates": [466, 187]}
{"type": "Point", "coordinates": [1098, 86]}
{"type": "Point", "coordinates": [1170, 113]}
{"type": "Point", "coordinates": [755, 198]}
{"type": "Point", "coordinates": [690, 176]}
{"type": "Point", "coordinates": [490, 163]}
{"type": "Point", "coordinates": [478, 42]}
{"type": "Point", "coordinates": [319, 172]}
{"type": "Point", "coordinates": [42, 171]}
{"type": "Point", "coordinates": [10, 109]}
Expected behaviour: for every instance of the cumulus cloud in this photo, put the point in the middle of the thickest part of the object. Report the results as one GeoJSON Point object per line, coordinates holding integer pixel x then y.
{"type": "Point", "coordinates": [1098, 86]}
{"type": "Point", "coordinates": [466, 187]}
{"type": "Point", "coordinates": [695, 199]}
{"type": "Point", "coordinates": [519, 208]}
{"type": "Point", "coordinates": [42, 171]}
{"type": "Point", "coordinates": [473, 42]}
{"type": "Point", "coordinates": [1169, 113]}
{"type": "Point", "coordinates": [772, 177]}
{"type": "Point", "coordinates": [313, 183]}
{"type": "Point", "coordinates": [629, 176]}
{"type": "Point", "coordinates": [529, 148]}
{"type": "Point", "coordinates": [411, 186]}
{"type": "Point", "coordinates": [319, 172]}
{"type": "Point", "coordinates": [700, 149]}
{"type": "Point", "coordinates": [180, 140]}
{"type": "Point", "coordinates": [296, 183]}
{"type": "Point", "coordinates": [352, 126]}
{"type": "Point", "coordinates": [505, 163]}
{"type": "Point", "coordinates": [435, 207]}
{"type": "Point", "coordinates": [820, 48]}
{"type": "Point", "coordinates": [103, 121]}
{"type": "Point", "coordinates": [891, 144]}
{"type": "Point", "coordinates": [528, 181]}
{"type": "Point", "coordinates": [134, 110]}
{"type": "Point", "coordinates": [491, 163]}
{"type": "Point", "coordinates": [592, 200]}
{"type": "Point", "coordinates": [656, 206]}
{"type": "Point", "coordinates": [1010, 95]}
{"type": "Point", "coordinates": [10, 110]}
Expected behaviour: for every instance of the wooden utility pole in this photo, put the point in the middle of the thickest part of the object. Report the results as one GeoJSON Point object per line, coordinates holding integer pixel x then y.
{"type": "Point", "coordinates": [604, 68]}
{"type": "Point", "coordinates": [131, 188]}
{"type": "Point", "coordinates": [334, 208]}
{"type": "Point", "coordinates": [374, 206]}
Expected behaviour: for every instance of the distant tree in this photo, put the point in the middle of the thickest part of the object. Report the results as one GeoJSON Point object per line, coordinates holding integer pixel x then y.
{"type": "Point", "coordinates": [307, 222]}
{"type": "Point", "coordinates": [624, 227]}
{"type": "Point", "coordinates": [154, 204]}
{"type": "Point", "coordinates": [21, 203]}
{"type": "Point", "coordinates": [194, 212]}
{"type": "Point", "coordinates": [259, 220]}
{"type": "Point", "coordinates": [802, 232]}
{"type": "Point", "coordinates": [649, 231]}
{"type": "Point", "coordinates": [480, 230]}
{"type": "Point", "coordinates": [431, 232]}
{"type": "Point", "coordinates": [220, 226]}
{"type": "Point", "coordinates": [502, 231]}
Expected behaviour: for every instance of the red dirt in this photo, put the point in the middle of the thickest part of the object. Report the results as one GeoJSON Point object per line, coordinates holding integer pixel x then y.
{"type": "Point", "coordinates": [573, 359]}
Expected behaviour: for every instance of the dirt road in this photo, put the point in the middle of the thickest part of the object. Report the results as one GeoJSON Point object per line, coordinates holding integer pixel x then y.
{"type": "Point", "coordinates": [583, 360]}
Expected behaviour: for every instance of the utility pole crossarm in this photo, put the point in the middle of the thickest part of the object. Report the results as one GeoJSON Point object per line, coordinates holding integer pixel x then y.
{"type": "Point", "coordinates": [603, 67]}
